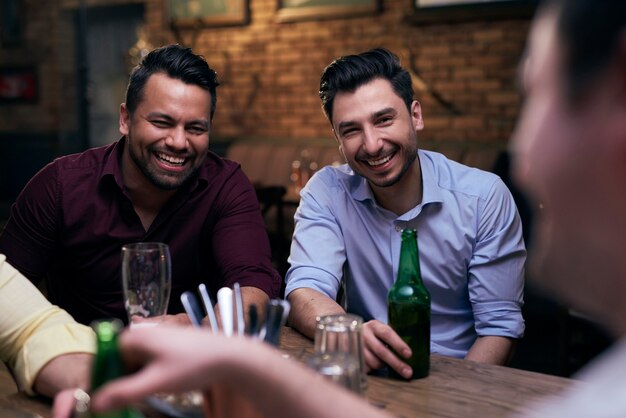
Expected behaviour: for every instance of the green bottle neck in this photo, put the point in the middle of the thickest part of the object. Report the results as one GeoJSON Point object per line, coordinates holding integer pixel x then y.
{"type": "Point", "coordinates": [409, 268]}
{"type": "Point", "coordinates": [107, 364]}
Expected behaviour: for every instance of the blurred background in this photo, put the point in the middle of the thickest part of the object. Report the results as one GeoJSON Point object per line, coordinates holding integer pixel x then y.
{"type": "Point", "coordinates": [64, 65]}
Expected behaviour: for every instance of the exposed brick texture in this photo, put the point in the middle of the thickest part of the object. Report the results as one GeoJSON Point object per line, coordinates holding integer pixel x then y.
{"type": "Point", "coordinates": [270, 70]}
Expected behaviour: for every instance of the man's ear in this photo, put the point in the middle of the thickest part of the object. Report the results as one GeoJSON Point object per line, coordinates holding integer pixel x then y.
{"type": "Point", "coordinates": [124, 120]}
{"type": "Point", "coordinates": [416, 115]}
{"type": "Point", "coordinates": [339, 144]}
{"type": "Point", "coordinates": [620, 62]}
{"type": "Point", "coordinates": [619, 77]}
{"type": "Point", "coordinates": [614, 125]}
{"type": "Point", "coordinates": [336, 137]}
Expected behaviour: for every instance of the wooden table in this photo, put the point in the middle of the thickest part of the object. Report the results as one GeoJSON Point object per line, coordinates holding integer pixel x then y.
{"type": "Point", "coordinates": [454, 388]}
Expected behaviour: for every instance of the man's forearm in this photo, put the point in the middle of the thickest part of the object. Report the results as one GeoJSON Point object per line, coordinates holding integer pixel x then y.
{"type": "Point", "coordinates": [306, 306]}
{"type": "Point", "coordinates": [250, 296]}
{"type": "Point", "coordinates": [492, 349]}
{"type": "Point", "coordinates": [64, 372]}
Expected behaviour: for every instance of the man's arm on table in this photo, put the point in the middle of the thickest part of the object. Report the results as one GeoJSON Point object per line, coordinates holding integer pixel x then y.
{"type": "Point", "coordinates": [492, 349]}
{"type": "Point", "coordinates": [62, 372]}
{"type": "Point", "coordinates": [308, 304]}
{"type": "Point", "coordinates": [252, 296]}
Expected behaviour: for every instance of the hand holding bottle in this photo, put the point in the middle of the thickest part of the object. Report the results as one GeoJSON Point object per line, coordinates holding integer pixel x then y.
{"type": "Point", "coordinates": [384, 347]}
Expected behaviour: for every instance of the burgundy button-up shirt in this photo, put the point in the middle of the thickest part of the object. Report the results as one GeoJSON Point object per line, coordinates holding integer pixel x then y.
{"type": "Point", "coordinates": [71, 220]}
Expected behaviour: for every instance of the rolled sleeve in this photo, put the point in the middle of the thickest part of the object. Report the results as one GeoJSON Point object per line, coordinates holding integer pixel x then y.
{"type": "Point", "coordinates": [33, 331]}
{"type": "Point", "coordinates": [318, 250]}
{"type": "Point", "coordinates": [502, 319]}
{"type": "Point", "coordinates": [496, 270]}
{"type": "Point", "coordinates": [56, 335]}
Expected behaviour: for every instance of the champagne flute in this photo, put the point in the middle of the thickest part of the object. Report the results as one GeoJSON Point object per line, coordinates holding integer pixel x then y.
{"type": "Point", "coordinates": [147, 281]}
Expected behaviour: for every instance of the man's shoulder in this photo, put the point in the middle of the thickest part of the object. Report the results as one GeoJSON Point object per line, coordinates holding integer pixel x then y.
{"type": "Point", "coordinates": [442, 162]}
{"type": "Point", "coordinates": [71, 170]}
{"type": "Point", "coordinates": [334, 179]}
{"type": "Point", "coordinates": [87, 159]}
{"type": "Point", "coordinates": [215, 166]}
{"type": "Point", "coordinates": [455, 176]}
{"type": "Point", "coordinates": [333, 175]}
{"type": "Point", "coordinates": [213, 159]}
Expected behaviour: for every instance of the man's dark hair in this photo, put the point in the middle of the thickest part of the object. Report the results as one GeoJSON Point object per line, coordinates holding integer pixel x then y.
{"type": "Point", "coordinates": [176, 62]}
{"type": "Point", "coordinates": [589, 32]}
{"type": "Point", "coordinates": [350, 72]}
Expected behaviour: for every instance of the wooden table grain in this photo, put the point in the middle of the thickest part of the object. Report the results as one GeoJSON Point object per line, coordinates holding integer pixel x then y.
{"type": "Point", "coordinates": [454, 388]}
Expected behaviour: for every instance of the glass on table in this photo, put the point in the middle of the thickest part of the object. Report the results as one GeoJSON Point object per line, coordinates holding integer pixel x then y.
{"type": "Point", "coordinates": [147, 281]}
{"type": "Point", "coordinates": [341, 368]}
{"type": "Point", "coordinates": [342, 333]}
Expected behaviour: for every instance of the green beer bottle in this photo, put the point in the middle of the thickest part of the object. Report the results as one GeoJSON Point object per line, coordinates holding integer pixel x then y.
{"type": "Point", "coordinates": [409, 307]}
{"type": "Point", "coordinates": [107, 364]}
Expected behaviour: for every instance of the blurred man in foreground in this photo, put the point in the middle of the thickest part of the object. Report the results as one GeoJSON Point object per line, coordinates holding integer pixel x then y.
{"type": "Point", "coordinates": [570, 157]}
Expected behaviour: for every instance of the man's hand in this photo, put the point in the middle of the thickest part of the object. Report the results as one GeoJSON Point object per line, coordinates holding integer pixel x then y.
{"type": "Point", "coordinates": [379, 340]}
{"type": "Point", "coordinates": [64, 404]}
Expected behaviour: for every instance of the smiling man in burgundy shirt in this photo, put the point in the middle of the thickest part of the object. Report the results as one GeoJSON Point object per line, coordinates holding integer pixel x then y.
{"type": "Point", "coordinates": [159, 182]}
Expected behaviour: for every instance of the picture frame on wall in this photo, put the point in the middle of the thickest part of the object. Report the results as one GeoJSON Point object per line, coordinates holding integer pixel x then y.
{"type": "Point", "coordinates": [208, 13]}
{"type": "Point", "coordinates": [436, 11]}
{"type": "Point", "coordinates": [297, 10]}
{"type": "Point", "coordinates": [19, 85]}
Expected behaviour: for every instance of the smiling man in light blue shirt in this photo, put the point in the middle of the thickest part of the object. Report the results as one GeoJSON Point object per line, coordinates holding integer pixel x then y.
{"type": "Point", "coordinates": [349, 220]}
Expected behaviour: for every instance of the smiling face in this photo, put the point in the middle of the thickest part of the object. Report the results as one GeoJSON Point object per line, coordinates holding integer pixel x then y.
{"type": "Point", "coordinates": [570, 159]}
{"type": "Point", "coordinates": [376, 132]}
{"type": "Point", "coordinates": [168, 134]}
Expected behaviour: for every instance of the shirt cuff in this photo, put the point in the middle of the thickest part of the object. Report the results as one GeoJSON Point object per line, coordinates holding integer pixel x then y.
{"type": "Point", "coordinates": [64, 337]}
{"type": "Point", "coordinates": [502, 319]}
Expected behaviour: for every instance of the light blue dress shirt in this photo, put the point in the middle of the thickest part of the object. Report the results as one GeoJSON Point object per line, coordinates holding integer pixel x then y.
{"type": "Point", "coordinates": [470, 240]}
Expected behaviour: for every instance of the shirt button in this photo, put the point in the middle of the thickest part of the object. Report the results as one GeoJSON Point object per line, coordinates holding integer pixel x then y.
{"type": "Point", "coordinates": [398, 228]}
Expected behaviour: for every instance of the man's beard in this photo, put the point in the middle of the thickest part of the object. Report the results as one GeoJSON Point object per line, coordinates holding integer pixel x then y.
{"type": "Point", "coordinates": [157, 178]}
{"type": "Point", "coordinates": [412, 155]}
{"type": "Point", "coordinates": [405, 168]}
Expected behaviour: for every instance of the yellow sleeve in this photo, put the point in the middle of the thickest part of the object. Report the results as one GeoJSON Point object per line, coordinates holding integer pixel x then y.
{"type": "Point", "coordinates": [32, 330]}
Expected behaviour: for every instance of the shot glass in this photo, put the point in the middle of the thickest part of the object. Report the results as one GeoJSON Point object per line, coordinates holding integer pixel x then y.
{"type": "Point", "coordinates": [342, 333]}
{"type": "Point", "coordinates": [341, 368]}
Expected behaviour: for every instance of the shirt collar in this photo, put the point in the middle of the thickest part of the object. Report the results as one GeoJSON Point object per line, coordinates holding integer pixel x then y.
{"type": "Point", "coordinates": [431, 192]}
{"type": "Point", "coordinates": [113, 167]}
{"type": "Point", "coordinates": [113, 163]}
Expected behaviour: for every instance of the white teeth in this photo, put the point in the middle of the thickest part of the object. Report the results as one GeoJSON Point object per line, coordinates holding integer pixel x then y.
{"type": "Point", "coordinates": [170, 159]}
{"type": "Point", "coordinates": [379, 162]}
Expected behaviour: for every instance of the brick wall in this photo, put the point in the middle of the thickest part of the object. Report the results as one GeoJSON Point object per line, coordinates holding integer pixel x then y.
{"type": "Point", "coordinates": [270, 70]}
